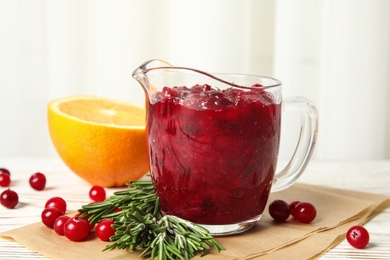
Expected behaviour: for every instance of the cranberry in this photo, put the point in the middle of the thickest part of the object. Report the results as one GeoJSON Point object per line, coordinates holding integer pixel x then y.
{"type": "Point", "coordinates": [9, 199]}
{"type": "Point", "coordinates": [49, 215]}
{"type": "Point", "coordinates": [97, 193]}
{"type": "Point", "coordinates": [104, 229]}
{"type": "Point", "coordinates": [170, 92]}
{"type": "Point", "coordinates": [279, 210]}
{"type": "Point", "coordinates": [5, 179]}
{"type": "Point", "coordinates": [216, 100]}
{"type": "Point", "coordinates": [257, 85]}
{"type": "Point", "coordinates": [76, 229]}
{"type": "Point", "coordinates": [91, 225]}
{"type": "Point", "coordinates": [117, 210]}
{"type": "Point", "coordinates": [38, 181]}
{"type": "Point", "coordinates": [59, 224]}
{"type": "Point", "coordinates": [294, 204]}
{"type": "Point", "coordinates": [304, 212]}
{"type": "Point", "coordinates": [56, 202]}
{"type": "Point", "coordinates": [358, 237]}
{"type": "Point", "coordinates": [6, 171]}
{"type": "Point", "coordinates": [201, 88]}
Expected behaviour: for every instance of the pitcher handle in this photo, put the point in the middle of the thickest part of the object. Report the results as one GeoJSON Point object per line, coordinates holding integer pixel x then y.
{"type": "Point", "coordinates": [305, 147]}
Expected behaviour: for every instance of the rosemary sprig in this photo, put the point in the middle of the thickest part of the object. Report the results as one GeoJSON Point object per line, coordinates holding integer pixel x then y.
{"type": "Point", "coordinates": [139, 224]}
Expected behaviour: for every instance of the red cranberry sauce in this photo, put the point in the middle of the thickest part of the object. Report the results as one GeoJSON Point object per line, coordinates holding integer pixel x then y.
{"type": "Point", "coordinates": [213, 152]}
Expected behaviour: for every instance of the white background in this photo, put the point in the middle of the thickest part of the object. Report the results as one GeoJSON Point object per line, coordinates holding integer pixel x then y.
{"type": "Point", "coordinates": [334, 52]}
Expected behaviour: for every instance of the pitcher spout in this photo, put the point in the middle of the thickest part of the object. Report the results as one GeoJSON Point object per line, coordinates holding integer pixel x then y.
{"type": "Point", "coordinates": [142, 76]}
{"type": "Point", "coordinates": [150, 64]}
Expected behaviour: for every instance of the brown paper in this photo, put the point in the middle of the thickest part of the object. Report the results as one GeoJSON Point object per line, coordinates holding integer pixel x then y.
{"type": "Point", "coordinates": [337, 210]}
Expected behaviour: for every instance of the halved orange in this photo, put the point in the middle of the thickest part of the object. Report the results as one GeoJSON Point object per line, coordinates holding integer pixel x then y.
{"type": "Point", "coordinates": [101, 140]}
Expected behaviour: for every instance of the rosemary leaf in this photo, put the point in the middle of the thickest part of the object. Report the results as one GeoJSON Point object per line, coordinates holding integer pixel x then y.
{"type": "Point", "coordinates": [139, 224]}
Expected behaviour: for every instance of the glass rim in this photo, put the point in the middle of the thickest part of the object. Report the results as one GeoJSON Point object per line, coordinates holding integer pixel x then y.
{"type": "Point", "coordinates": [136, 74]}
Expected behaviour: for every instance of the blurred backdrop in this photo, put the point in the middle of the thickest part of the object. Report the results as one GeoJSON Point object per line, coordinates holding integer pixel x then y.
{"type": "Point", "coordinates": [334, 52]}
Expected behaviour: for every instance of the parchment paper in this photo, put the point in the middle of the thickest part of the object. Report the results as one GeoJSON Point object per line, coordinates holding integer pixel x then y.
{"type": "Point", "coordinates": [337, 211]}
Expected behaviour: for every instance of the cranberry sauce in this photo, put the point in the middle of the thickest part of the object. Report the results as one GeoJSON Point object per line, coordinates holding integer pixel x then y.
{"type": "Point", "coordinates": [213, 153]}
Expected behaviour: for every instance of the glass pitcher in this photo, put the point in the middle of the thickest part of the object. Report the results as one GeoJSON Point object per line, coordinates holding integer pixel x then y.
{"type": "Point", "coordinates": [213, 143]}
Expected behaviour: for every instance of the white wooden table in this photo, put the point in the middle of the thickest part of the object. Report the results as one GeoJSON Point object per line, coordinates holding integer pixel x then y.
{"type": "Point", "coordinates": [366, 176]}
